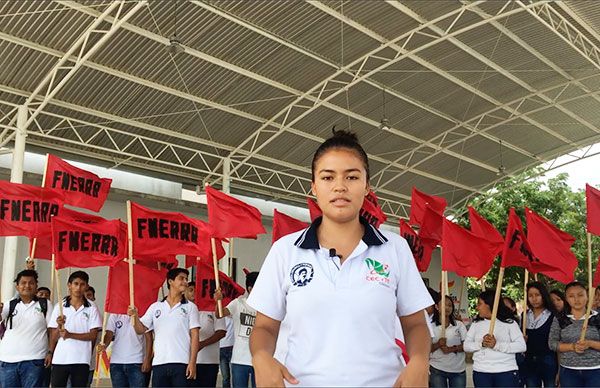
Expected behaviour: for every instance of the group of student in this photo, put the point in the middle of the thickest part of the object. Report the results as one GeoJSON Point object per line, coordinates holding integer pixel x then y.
{"type": "Point", "coordinates": [550, 352]}
{"type": "Point", "coordinates": [172, 344]}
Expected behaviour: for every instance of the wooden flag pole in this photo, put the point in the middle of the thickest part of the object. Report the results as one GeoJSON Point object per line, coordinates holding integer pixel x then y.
{"type": "Point", "coordinates": [230, 258]}
{"type": "Point", "coordinates": [462, 290]}
{"type": "Point", "coordinates": [96, 372]}
{"type": "Point", "coordinates": [496, 301]}
{"type": "Point", "coordinates": [52, 280]}
{"type": "Point", "coordinates": [443, 292]}
{"type": "Point", "coordinates": [216, 269]}
{"type": "Point", "coordinates": [590, 288]}
{"type": "Point", "coordinates": [130, 253]}
{"type": "Point", "coordinates": [59, 297]}
{"type": "Point", "coordinates": [162, 287]}
{"type": "Point", "coordinates": [525, 301]}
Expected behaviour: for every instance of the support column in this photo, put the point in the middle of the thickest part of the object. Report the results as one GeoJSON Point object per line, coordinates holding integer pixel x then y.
{"type": "Point", "coordinates": [16, 176]}
{"type": "Point", "coordinates": [225, 262]}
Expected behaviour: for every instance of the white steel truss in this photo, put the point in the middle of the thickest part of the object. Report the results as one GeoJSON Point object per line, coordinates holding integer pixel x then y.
{"type": "Point", "coordinates": [76, 56]}
{"type": "Point", "coordinates": [298, 109]}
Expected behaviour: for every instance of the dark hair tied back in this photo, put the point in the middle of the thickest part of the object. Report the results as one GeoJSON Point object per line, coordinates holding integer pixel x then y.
{"type": "Point", "coordinates": [345, 140]}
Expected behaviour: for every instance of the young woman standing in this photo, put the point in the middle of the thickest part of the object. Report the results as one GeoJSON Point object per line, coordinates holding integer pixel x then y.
{"type": "Point", "coordinates": [540, 361]}
{"type": "Point", "coordinates": [447, 360]}
{"type": "Point", "coordinates": [558, 299]}
{"type": "Point", "coordinates": [579, 360]}
{"type": "Point", "coordinates": [494, 363]}
{"type": "Point", "coordinates": [341, 284]}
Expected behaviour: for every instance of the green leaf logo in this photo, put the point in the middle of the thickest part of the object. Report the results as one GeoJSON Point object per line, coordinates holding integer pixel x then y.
{"type": "Point", "coordinates": [377, 267]}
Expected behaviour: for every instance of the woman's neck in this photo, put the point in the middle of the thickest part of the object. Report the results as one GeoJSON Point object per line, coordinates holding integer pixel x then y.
{"type": "Point", "coordinates": [577, 313]}
{"type": "Point", "coordinates": [537, 311]}
{"type": "Point", "coordinates": [343, 237]}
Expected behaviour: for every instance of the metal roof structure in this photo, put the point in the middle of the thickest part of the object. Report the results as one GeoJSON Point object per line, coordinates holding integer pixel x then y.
{"type": "Point", "coordinates": [465, 88]}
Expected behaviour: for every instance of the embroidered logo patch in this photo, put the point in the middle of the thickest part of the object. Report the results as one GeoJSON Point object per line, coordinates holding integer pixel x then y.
{"type": "Point", "coordinates": [119, 324]}
{"type": "Point", "coordinates": [157, 314]}
{"type": "Point", "coordinates": [302, 274]}
{"type": "Point", "coordinates": [378, 272]}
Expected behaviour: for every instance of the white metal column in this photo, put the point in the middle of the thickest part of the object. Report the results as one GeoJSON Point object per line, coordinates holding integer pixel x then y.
{"type": "Point", "coordinates": [9, 262]}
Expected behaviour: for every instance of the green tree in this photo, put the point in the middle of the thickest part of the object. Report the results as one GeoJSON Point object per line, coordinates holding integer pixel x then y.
{"type": "Point", "coordinates": [553, 199]}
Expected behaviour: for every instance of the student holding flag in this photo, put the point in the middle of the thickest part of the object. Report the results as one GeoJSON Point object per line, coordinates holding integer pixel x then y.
{"type": "Point", "coordinates": [72, 334]}
{"type": "Point", "coordinates": [131, 357]}
{"type": "Point", "coordinates": [579, 359]}
{"type": "Point", "coordinates": [494, 362]}
{"type": "Point", "coordinates": [342, 284]}
{"type": "Point", "coordinates": [447, 360]}
{"type": "Point", "coordinates": [176, 334]}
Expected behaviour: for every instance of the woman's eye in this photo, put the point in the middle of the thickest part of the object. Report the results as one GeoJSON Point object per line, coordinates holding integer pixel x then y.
{"type": "Point", "coordinates": [327, 178]}
{"type": "Point", "coordinates": [352, 177]}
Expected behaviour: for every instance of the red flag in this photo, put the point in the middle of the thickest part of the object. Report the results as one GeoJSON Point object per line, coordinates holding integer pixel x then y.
{"type": "Point", "coordinates": [231, 217]}
{"type": "Point", "coordinates": [26, 210]}
{"type": "Point", "coordinates": [418, 205]}
{"type": "Point", "coordinates": [552, 247]}
{"type": "Point", "coordinates": [592, 199]}
{"type": "Point", "coordinates": [81, 188]}
{"type": "Point", "coordinates": [464, 253]}
{"type": "Point", "coordinates": [484, 229]}
{"type": "Point", "coordinates": [313, 209]}
{"type": "Point", "coordinates": [516, 251]}
{"type": "Point", "coordinates": [206, 286]}
{"type": "Point", "coordinates": [43, 245]}
{"type": "Point", "coordinates": [190, 261]}
{"type": "Point", "coordinates": [431, 225]}
{"type": "Point", "coordinates": [420, 248]}
{"type": "Point", "coordinates": [370, 210]}
{"type": "Point", "coordinates": [83, 245]}
{"type": "Point", "coordinates": [284, 225]}
{"type": "Point", "coordinates": [160, 234]}
{"type": "Point", "coordinates": [146, 284]}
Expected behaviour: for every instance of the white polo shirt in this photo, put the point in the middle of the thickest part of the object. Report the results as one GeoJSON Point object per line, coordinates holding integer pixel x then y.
{"type": "Point", "coordinates": [171, 330]}
{"type": "Point", "coordinates": [243, 321]}
{"type": "Point", "coordinates": [80, 321]}
{"type": "Point", "coordinates": [227, 341]}
{"type": "Point", "coordinates": [451, 362]}
{"type": "Point", "coordinates": [28, 339]}
{"type": "Point", "coordinates": [342, 317]}
{"type": "Point", "coordinates": [128, 346]}
{"type": "Point", "coordinates": [208, 326]}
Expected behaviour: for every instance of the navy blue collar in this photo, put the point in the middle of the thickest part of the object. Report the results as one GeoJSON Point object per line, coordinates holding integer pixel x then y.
{"type": "Point", "coordinates": [309, 240]}
{"type": "Point", "coordinates": [183, 299]}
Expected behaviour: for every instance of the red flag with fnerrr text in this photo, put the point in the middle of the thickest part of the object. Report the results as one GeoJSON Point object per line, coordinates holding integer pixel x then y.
{"type": "Point", "coordinates": [158, 234]}
{"type": "Point", "coordinates": [26, 210]}
{"type": "Point", "coordinates": [231, 217]}
{"type": "Point", "coordinates": [146, 284]}
{"type": "Point", "coordinates": [206, 286]}
{"type": "Point", "coordinates": [81, 188]}
{"type": "Point", "coordinates": [420, 248]}
{"type": "Point", "coordinates": [83, 245]}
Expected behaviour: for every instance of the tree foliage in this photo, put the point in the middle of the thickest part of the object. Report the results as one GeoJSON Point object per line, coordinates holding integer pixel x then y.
{"type": "Point", "coordinates": [551, 198]}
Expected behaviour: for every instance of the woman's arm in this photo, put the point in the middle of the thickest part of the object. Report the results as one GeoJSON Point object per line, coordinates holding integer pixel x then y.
{"type": "Point", "coordinates": [471, 344]}
{"type": "Point", "coordinates": [418, 344]}
{"type": "Point", "coordinates": [516, 342]}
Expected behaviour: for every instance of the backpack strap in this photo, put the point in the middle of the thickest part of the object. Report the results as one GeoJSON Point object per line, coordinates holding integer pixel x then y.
{"type": "Point", "coordinates": [43, 305]}
{"type": "Point", "coordinates": [11, 311]}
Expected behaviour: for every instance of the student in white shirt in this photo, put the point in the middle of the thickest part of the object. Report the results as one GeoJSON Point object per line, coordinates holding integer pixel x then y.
{"type": "Point", "coordinates": [342, 284]}
{"type": "Point", "coordinates": [494, 362]}
{"type": "Point", "coordinates": [72, 333]}
{"type": "Point", "coordinates": [24, 347]}
{"type": "Point", "coordinates": [226, 352]}
{"type": "Point", "coordinates": [447, 361]}
{"type": "Point", "coordinates": [131, 356]}
{"type": "Point", "coordinates": [243, 316]}
{"type": "Point", "coordinates": [212, 330]}
{"type": "Point", "coordinates": [176, 334]}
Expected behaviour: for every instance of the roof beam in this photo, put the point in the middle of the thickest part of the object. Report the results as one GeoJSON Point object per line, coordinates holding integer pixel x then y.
{"type": "Point", "coordinates": [325, 96]}
{"type": "Point", "coordinates": [203, 101]}
{"type": "Point", "coordinates": [257, 77]}
{"type": "Point", "coordinates": [431, 66]}
{"type": "Point", "coordinates": [79, 52]}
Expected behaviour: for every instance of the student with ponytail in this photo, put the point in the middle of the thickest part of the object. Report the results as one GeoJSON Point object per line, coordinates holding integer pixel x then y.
{"type": "Point", "coordinates": [341, 284]}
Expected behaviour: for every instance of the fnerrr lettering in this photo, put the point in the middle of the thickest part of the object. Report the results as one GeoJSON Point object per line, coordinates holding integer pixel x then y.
{"type": "Point", "coordinates": [68, 182]}
{"type": "Point", "coordinates": [163, 228]}
{"type": "Point", "coordinates": [105, 244]}
{"type": "Point", "coordinates": [27, 210]}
